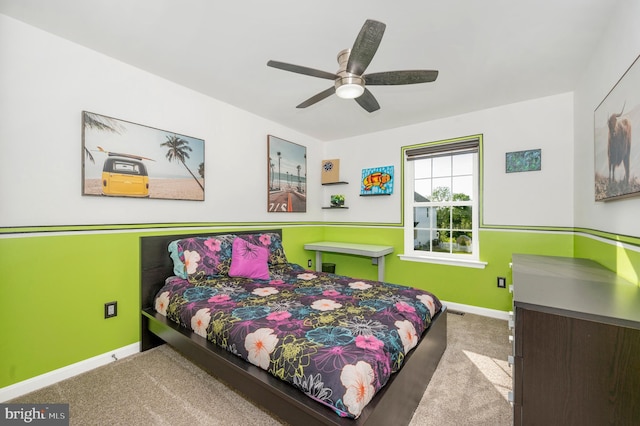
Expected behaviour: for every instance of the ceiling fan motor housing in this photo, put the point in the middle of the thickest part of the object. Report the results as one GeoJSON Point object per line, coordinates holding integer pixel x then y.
{"type": "Point", "coordinates": [347, 85]}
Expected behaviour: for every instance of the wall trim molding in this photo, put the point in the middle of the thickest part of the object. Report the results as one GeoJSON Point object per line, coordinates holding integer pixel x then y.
{"type": "Point", "coordinates": [617, 243]}
{"type": "Point", "coordinates": [55, 376]}
{"type": "Point", "coordinates": [626, 241]}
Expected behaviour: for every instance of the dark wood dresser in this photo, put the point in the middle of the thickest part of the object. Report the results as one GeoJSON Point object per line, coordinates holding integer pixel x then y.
{"type": "Point", "coordinates": [576, 344]}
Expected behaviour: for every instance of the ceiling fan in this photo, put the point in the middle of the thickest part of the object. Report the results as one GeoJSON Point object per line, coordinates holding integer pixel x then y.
{"type": "Point", "coordinates": [350, 81]}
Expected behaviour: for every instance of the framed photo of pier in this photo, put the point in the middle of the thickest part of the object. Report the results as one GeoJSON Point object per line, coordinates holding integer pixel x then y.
{"type": "Point", "coordinates": [286, 176]}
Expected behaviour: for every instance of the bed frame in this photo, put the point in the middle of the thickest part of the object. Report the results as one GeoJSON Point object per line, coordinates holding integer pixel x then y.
{"type": "Point", "coordinates": [394, 404]}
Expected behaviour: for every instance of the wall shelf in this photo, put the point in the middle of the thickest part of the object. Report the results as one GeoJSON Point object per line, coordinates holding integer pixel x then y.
{"type": "Point", "coordinates": [335, 183]}
{"type": "Point", "coordinates": [336, 207]}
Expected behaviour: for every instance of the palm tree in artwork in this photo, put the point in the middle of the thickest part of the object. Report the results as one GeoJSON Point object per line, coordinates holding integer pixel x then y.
{"type": "Point", "coordinates": [279, 158]}
{"type": "Point", "coordinates": [179, 151]}
{"type": "Point", "coordinates": [100, 123]}
{"type": "Point", "coordinates": [272, 166]}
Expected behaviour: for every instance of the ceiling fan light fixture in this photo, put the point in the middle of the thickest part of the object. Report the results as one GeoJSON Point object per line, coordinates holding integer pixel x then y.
{"type": "Point", "coordinates": [349, 87]}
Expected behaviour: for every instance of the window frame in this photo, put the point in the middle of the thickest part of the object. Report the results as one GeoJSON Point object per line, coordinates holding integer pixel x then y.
{"type": "Point", "coordinates": [429, 150]}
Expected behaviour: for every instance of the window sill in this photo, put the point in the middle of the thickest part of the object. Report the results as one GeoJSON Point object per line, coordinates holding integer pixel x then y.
{"type": "Point", "coordinates": [467, 263]}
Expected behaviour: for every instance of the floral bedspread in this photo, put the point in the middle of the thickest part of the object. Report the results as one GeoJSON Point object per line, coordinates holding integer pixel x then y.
{"type": "Point", "coordinates": [337, 339]}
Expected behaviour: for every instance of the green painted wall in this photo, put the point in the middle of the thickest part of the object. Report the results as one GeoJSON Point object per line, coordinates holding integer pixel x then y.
{"type": "Point", "coordinates": [477, 287]}
{"type": "Point", "coordinates": [55, 286]}
{"type": "Point", "coordinates": [617, 257]}
{"type": "Point", "coordinates": [54, 289]}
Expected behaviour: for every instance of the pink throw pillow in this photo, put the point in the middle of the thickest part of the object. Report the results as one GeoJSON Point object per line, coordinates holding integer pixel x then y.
{"type": "Point", "coordinates": [249, 260]}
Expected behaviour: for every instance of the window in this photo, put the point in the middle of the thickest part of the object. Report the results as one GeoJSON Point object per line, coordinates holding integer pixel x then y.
{"type": "Point", "coordinates": [441, 201]}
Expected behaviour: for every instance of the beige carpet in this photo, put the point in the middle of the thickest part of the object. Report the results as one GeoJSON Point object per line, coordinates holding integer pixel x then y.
{"type": "Point", "coordinates": [160, 387]}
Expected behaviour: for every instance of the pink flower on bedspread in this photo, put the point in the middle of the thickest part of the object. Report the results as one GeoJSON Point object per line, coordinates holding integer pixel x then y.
{"type": "Point", "coordinates": [330, 293]}
{"type": "Point", "coordinates": [428, 302]}
{"type": "Point", "coordinates": [325, 305]}
{"type": "Point", "coordinates": [359, 285]}
{"type": "Point", "coordinates": [358, 380]}
{"type": "Point", "coordinates": [162, 302]}
{"type": "Point", "coordinates": [276, 282]}
{"type": "Point", "coordinates": [371, 343]}
{"type": "Point", "coordinates": [260, 344]}
{"type": "Point", "coordinates": [265, 240]}
{"type": "Point", "coordinates": [408, 335]}
{"type": "Point", "coordinates": [265, 291]}
{"type": "Point", "coordinates": [405, 307]}
{"type": "Point", "coordinates": [213, 244]}
{"type": "Point", "coordinates": [191, 259]}
{"type": "Point", "coordinates": [200, 322]}
{"type": "Point", "coordinates": [278, 316]}
{"type": "Point", "coordinates": [219, 298]}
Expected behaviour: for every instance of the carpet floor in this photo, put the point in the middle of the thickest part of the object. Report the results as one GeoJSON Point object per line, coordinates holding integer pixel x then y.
{"type": "Point", "coordinates": [160, 387]}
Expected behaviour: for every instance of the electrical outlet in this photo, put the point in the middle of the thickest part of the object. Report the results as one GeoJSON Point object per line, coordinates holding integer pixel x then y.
{"type": "Point", "coordinates": [110, 309]}
{"type": "Point", "coordinates": [309, 263]}
{"type": "Point", "coordinates": [502, 282]}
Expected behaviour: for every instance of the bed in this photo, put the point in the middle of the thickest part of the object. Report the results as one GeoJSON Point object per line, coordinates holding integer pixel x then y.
{"type": "Point", "coordinates": [186, 294]}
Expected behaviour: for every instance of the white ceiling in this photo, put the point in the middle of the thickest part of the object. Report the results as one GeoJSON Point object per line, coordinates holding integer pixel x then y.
{"type": "Point", "coordinates": [489, 52]}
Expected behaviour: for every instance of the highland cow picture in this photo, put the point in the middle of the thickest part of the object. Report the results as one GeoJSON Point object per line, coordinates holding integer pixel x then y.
{"type": "Point", "coordinates": [617, 139]}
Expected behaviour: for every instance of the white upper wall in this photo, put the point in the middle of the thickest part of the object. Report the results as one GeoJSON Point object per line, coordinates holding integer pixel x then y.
{"type": "Point", "coordinates": [45, 84]}
{"type": "Point", "coordinates": [618, 49]}
{"type": "Point", "coordinates": [541, 198]}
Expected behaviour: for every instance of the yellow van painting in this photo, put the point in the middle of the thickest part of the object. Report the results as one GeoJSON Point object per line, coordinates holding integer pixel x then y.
{"type": "Point", "coordinates": [129, 160]}
{"type": "Point", "coordinates": [124, 177]}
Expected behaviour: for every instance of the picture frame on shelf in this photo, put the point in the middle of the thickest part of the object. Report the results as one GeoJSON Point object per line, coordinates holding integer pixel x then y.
{"type": "Point", "coordinates": [330, 173]}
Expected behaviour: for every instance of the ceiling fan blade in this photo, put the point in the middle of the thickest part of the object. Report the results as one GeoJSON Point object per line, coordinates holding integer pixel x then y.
{"type": "Point", "coordinates": [368, 101]}
{"type": "Point", "coordinates": [318, 97]}
{"type": "Point", "coordinates": [365, 46]}
{"type": "Point", "coordinates": [302, 70]}
{"type": "Point", "coordinates": [400, 77]}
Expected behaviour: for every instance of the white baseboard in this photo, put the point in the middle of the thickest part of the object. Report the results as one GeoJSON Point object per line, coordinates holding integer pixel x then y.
{"type": "Point", "coordinates": [55, 376]}
{"type": "Point", "coordinates": [470, 309]}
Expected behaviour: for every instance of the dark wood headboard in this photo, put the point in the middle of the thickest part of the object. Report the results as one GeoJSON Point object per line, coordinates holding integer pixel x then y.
{"type": "Point", "coordinates": [156, 264]}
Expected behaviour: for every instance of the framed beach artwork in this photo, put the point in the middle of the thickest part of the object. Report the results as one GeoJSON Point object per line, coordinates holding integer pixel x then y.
{"type": "Point", "coordinates": [377, 181]}
{"type": "Point", "coordinates": [617, 139]}
{"type": "Point", "coordinates": [124, 159]}
{"type": "Point", "coordinates": [286, 176]}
